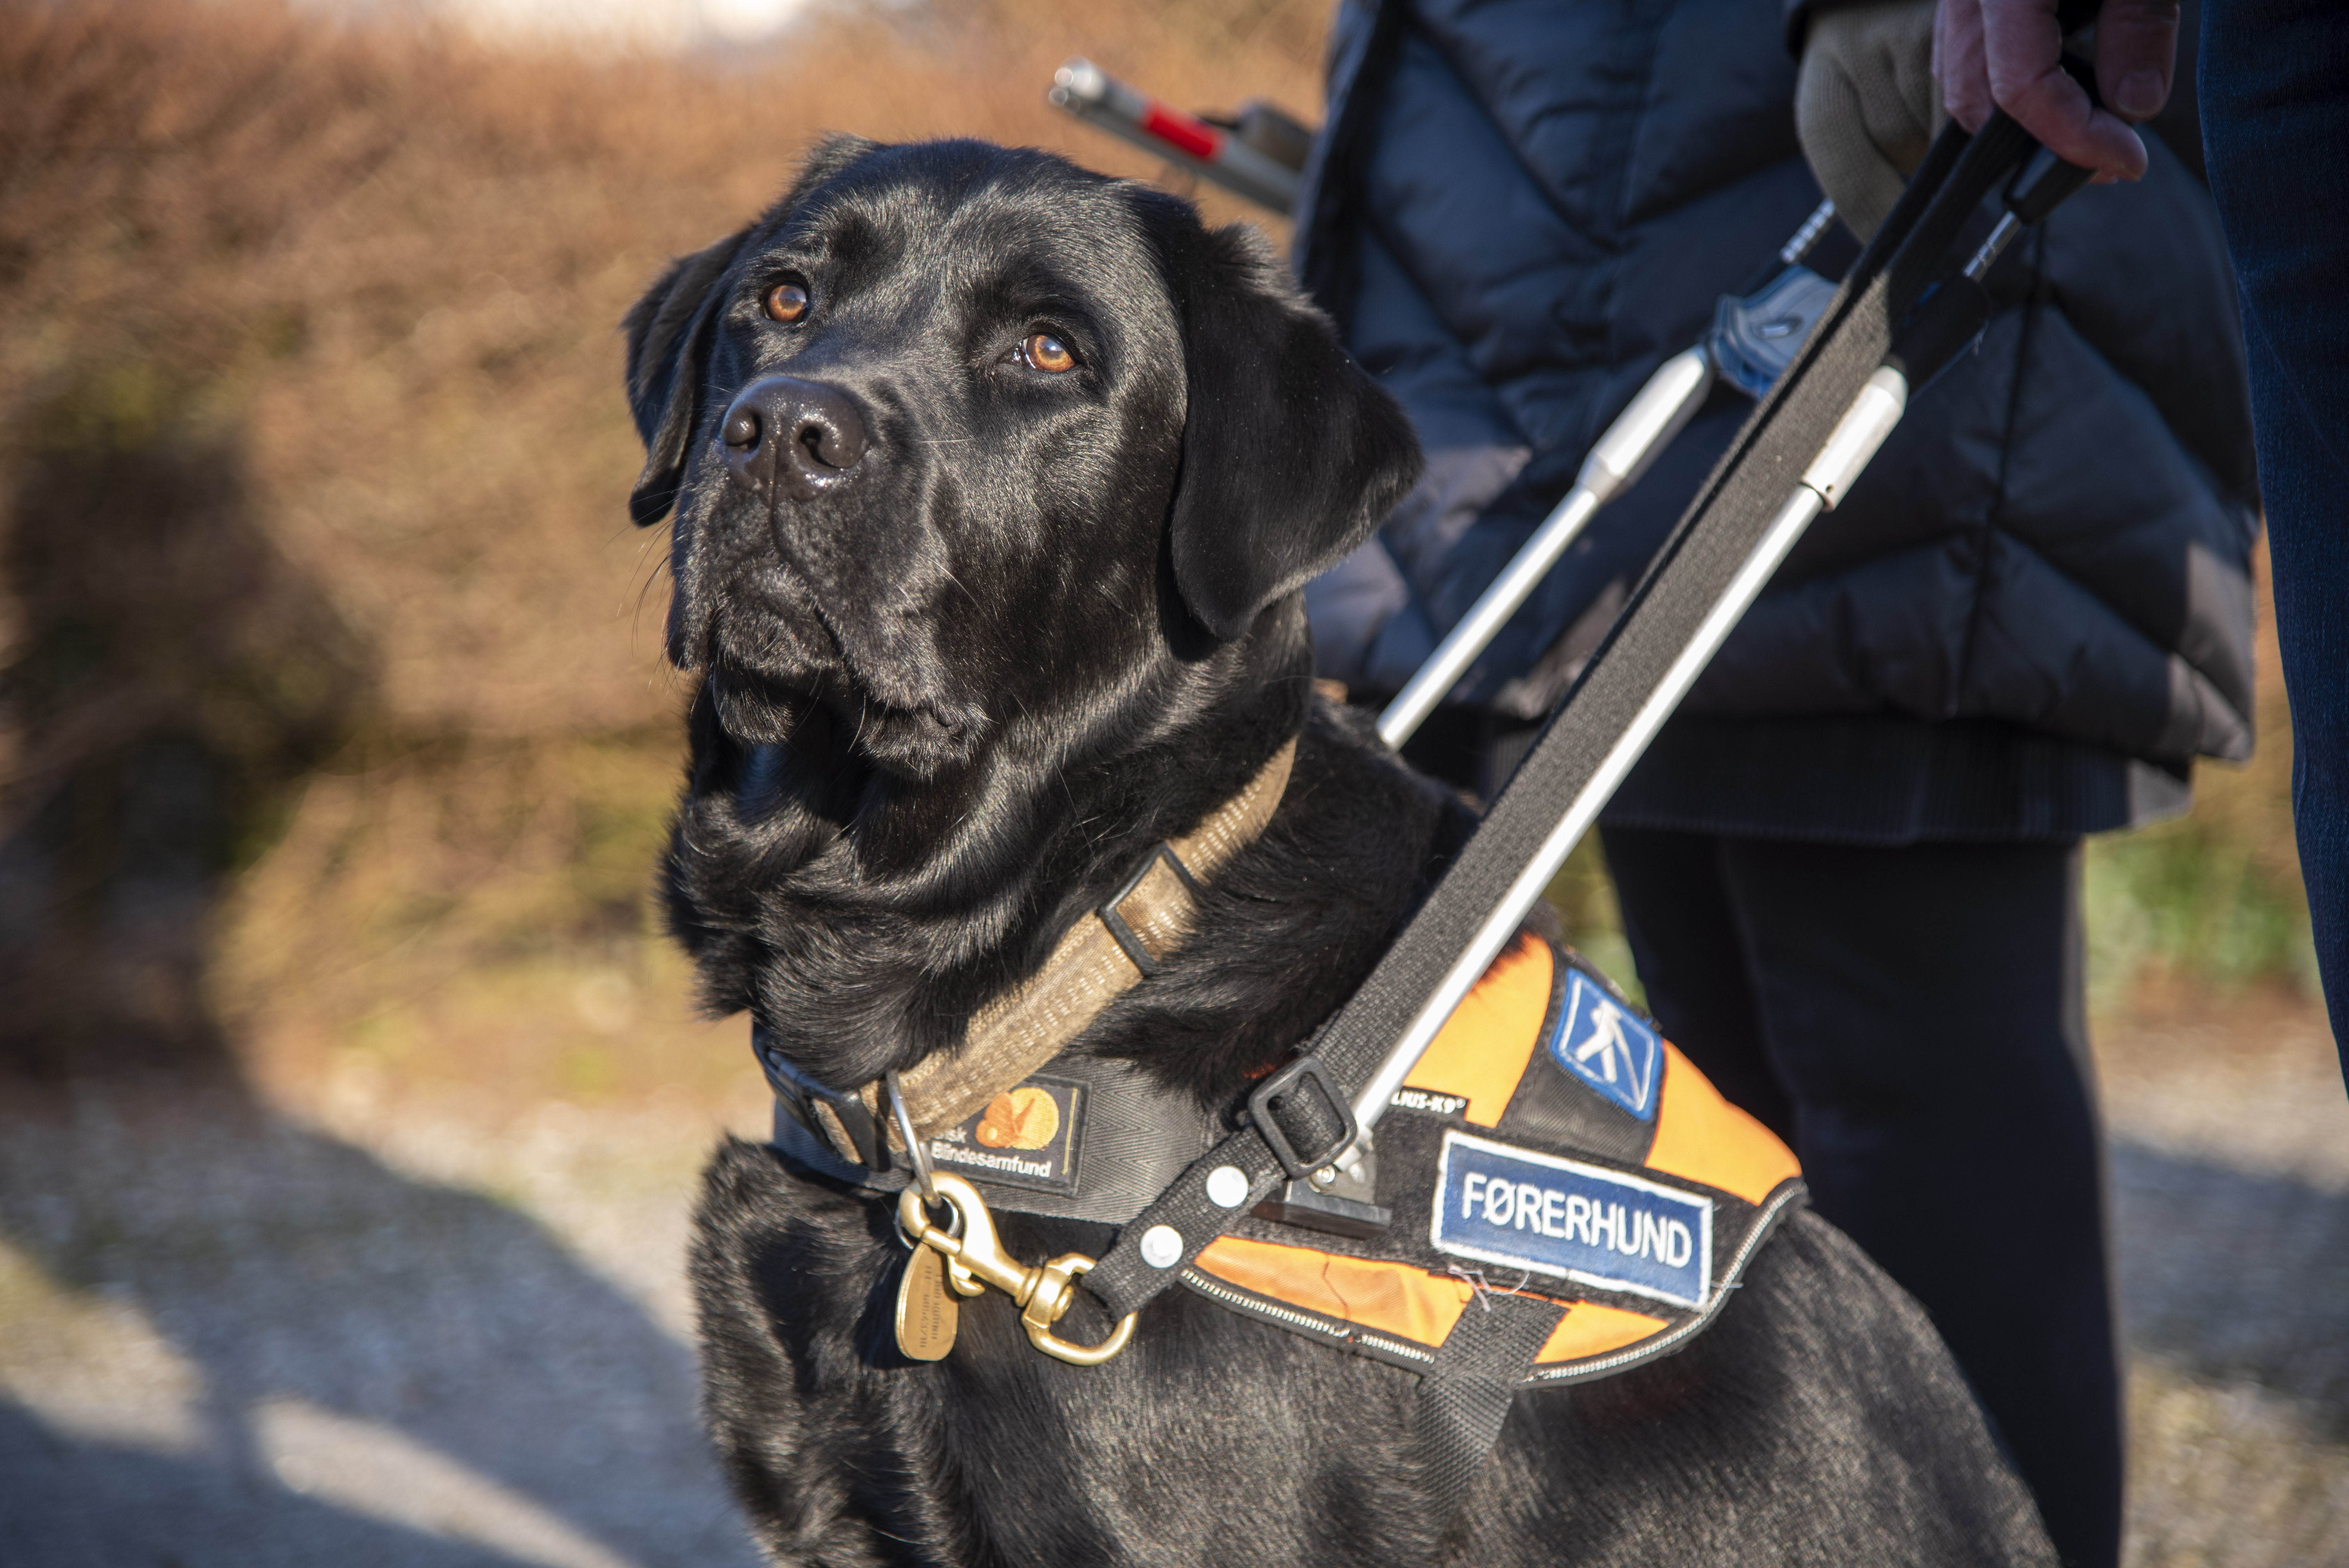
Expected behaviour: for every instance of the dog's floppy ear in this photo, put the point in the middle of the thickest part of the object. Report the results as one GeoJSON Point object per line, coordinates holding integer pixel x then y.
{"type": "Point", "coordinates": [1292, 453]}
{"type": "Point", "coordinates": [669, 332]}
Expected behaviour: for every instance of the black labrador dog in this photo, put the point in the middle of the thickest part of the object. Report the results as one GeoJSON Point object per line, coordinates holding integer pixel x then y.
{"type": "Point", "coordinates": [994, 483]}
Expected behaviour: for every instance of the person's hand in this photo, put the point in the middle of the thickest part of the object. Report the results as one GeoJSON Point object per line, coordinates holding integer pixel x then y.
{"type": "Point", "coordinates": [1864, 105]}
{"type": "Point", "coordinates": [2002, 54]}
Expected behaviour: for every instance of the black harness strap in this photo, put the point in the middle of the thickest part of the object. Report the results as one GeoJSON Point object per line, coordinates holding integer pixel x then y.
{"type": "Point", "coordinates": [1310, 1119]}
{"type": "Point", "coordinates": [1464, 1398]}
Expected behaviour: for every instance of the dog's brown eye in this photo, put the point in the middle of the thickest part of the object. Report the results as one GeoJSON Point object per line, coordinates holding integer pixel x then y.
{"type": "Point", "coordinates": [787, 303]}
{"type": "Point", "coordinates": [1046, 352]}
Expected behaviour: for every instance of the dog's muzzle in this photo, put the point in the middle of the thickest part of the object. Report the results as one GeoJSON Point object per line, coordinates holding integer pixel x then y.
{"type": "Point", "coordinates": [791, 436]}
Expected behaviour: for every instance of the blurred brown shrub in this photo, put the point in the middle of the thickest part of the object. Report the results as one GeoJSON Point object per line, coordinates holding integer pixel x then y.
{"type": "Point", "coordinates": [330, 704]}
{"type": "Point", "coordinates": [330, 723]}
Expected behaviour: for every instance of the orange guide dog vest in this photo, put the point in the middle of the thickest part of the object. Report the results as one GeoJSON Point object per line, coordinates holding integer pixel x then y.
{"type": "Point", "coordinates": [1551, 1145]}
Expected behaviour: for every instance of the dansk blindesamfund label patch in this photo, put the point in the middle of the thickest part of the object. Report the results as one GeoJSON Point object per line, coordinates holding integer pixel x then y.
{"type": "Point", "coordinates": [1027, 1137]}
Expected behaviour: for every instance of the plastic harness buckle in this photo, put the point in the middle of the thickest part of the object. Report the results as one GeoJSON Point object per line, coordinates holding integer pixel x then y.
{"type": "Point", "coordinates": [801, 1093]}
{"type": "Point", "coordinates": [1323, 1122]}
{"type": "Point", "coordinates": [1122, 934]}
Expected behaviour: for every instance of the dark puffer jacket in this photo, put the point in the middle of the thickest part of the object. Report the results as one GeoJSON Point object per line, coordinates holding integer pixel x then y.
{"type": "Point", "coordinates": [2034, 610]}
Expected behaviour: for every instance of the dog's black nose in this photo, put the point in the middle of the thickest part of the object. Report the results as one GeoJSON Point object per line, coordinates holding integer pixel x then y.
{"type": "Point", "coordinates": [799, 434]}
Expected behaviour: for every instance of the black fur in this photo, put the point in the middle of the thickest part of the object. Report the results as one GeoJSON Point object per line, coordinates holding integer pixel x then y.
{"type": "Point", "coordinates": [945, 707]}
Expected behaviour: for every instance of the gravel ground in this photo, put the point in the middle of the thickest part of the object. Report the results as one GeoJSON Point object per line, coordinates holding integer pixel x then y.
{"type": "Point", "coordinates": [330, 1327]}
{"type": "Point", "coordinates": [2231, 1182]}
{"type": "Point", "coordinates": [230, 1336]}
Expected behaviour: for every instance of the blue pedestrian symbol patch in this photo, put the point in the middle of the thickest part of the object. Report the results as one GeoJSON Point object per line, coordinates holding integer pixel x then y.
{"type": "Point", "coordinates": [1605, 1044]}
{"type": "Point", "coordinates": [1552, 1216]}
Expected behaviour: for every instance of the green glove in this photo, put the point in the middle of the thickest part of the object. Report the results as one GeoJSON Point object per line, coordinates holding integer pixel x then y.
{"type": "Point", "coordinates": [1866, 105]}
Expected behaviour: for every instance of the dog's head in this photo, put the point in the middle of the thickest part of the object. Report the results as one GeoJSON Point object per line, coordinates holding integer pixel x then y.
{"type": "Point", "coordinates": [957, 436]}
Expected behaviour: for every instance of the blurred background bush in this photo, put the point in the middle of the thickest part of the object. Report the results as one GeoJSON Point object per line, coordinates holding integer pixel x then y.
{"type": "Point", "coordinates": [331, 719]}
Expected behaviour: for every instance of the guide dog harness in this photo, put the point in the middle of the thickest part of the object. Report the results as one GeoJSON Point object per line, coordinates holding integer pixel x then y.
{"type": "Point", "coordinates": [1557, 1194]}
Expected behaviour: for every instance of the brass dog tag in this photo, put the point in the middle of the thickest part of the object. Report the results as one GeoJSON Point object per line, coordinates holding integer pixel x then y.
{"type": "Point", "coordinates": [927, 1312]}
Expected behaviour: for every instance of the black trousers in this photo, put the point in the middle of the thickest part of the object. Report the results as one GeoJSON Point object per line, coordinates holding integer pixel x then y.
{"type": "Point", "coordinates": [1912, 1021]}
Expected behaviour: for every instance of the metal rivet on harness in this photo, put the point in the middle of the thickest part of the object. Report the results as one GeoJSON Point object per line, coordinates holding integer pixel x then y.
{"type": "Point", "coordinates": [1162, 1246]}
{"type": "Point", "coordinates": [1227, 1186]}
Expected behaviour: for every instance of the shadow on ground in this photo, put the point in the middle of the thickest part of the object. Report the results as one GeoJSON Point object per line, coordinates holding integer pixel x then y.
{"type": "Point", "coordinates": [2231, 1281]}
{"type": "Point", "coordinates": [2234, 1277]}
{"type": "Point", "coordinates": [107, 1506]}
{"type": "Point", "coordinates": [236, 1341]}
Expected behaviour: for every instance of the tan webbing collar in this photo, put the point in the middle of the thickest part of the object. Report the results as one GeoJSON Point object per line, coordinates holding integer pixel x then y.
{"type": "Point", "coordinates": [1103, 956]}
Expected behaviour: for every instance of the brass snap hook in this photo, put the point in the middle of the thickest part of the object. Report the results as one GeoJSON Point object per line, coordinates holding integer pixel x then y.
{"type": "Point", "coordinates": [1044, 1292]}
{"type": "Point", "coordinates": [1058, 1286]}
